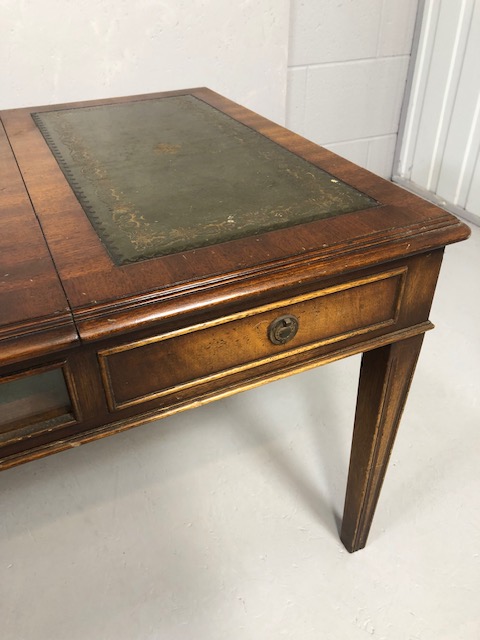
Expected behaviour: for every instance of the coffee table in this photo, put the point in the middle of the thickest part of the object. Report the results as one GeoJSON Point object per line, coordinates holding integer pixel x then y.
{"type": "Point", "coordinates": [161, 251]}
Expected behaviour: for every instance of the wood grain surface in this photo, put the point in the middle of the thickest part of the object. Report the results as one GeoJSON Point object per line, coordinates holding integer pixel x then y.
{"type": "Point", "coordinates": [144, 340]}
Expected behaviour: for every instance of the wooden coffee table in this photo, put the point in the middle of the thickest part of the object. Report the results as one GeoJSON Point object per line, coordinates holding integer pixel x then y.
{"type": "Point", "coordinates": [160, 251]}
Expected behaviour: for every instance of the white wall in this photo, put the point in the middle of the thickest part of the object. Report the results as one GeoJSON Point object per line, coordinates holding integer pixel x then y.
{"type": "Point", "coordinates": [347, 71]}
{"type": "Point", "coordinates": [64, 50]}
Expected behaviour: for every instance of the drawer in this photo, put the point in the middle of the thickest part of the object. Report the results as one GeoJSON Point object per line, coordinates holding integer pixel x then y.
{"type": "Point", "coordinates": [165, 364]}
{"type": "Point", "coordinates": [36, 401]}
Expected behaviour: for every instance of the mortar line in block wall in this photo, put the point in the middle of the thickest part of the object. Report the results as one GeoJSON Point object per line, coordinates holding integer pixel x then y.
{"type": "Point", "coordinates": [337, 63]}
{"type": "Point", "coordinates": [364, 139]}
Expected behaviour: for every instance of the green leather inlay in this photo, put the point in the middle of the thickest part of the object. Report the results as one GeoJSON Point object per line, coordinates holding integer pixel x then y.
{"type": "Point", "coordinates": [167, 175]}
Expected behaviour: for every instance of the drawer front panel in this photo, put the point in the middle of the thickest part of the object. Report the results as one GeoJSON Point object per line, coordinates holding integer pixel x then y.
{"type": "Point", "coordinates": [164, 364]}
{"type": "Point", "coordinates": [36, 401]}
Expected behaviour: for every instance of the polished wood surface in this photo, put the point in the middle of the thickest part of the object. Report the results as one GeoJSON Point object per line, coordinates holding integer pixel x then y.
{"type": "Point", "coordinates": [145, 340]}
{"type": "Point", "coordinates": [107, 299]}
{"type": "Point", "coordinates": [213, 350]}
{"type": "Point", "coordinates": [34, 313]}
{"type": "Point", "coordinates": [385, 379]}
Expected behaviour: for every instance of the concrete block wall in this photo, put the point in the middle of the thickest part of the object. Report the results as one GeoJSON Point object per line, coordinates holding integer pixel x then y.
{"type": "Point", "coordinates": [348, 62]}
{"type": "Point", "coordinates": [65, 50]}
{"type": "Point", "coordinates": [339, 75]}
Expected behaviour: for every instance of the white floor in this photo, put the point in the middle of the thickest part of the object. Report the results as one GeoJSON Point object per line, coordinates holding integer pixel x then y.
{"type": "Point", "coordinates": [222, 522]}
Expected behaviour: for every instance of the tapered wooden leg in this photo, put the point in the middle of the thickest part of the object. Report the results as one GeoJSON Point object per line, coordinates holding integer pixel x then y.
{"type": "Point", "coordinates": [385, 377]}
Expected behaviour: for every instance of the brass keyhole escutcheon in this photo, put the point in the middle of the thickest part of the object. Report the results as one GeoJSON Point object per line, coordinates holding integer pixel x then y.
{"type": "Point", "coordinates": [283, 329]}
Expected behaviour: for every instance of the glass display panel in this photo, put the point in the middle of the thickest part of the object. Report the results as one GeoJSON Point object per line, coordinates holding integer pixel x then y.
{"type": "Point", "coordinates": [166, 175]}
{"type": "Point", "coordinates": [33, 399]}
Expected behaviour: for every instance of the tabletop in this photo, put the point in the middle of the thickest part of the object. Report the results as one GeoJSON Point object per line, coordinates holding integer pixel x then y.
{"type": "Point", "coordinates": [152, 205]}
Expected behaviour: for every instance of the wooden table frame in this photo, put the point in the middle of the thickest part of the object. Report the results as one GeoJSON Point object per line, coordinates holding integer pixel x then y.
{"type": "Point", "coordinates": [361, 282]}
